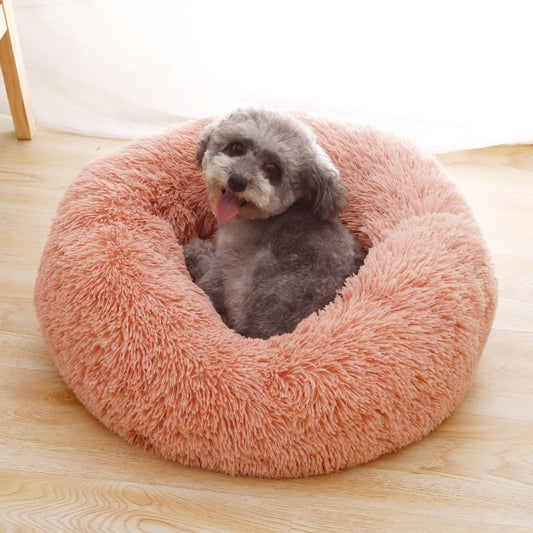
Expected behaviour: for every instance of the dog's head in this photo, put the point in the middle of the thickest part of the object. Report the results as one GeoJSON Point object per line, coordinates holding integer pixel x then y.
{"type": "Point", "coordinates": [257, 163]}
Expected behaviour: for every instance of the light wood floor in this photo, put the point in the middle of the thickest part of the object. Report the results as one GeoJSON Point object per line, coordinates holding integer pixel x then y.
{"type": "Point", "coordinates": [61, 471]}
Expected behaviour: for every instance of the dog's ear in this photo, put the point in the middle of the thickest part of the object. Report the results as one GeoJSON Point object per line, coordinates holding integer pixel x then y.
{"type": "Point", "coordinates": [203, 142]}
{"type": "Point", "coordinates": [322, 188]}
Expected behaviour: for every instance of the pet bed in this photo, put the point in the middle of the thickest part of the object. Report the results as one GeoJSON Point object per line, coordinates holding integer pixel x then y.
{"type": "Point", "coordinates": [144, 350]}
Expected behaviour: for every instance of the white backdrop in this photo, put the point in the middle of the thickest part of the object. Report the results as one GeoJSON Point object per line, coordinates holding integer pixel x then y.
{"type": "Point", "coordinates": [448, 74]}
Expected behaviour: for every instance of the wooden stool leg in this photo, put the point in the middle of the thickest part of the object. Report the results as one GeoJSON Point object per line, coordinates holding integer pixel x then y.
{"type": "Point", "coordinates": [14, 73]}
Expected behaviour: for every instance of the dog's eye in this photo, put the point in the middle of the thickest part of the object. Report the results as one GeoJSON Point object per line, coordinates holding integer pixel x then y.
{"type": "Point", "coordinates": [273, 173]}
{"type": "Point", "coordinates": [235, 149]}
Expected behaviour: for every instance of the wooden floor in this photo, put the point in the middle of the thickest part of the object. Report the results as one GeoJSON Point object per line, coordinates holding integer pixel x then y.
{"type": "Point", "coordinates": [61, 471]}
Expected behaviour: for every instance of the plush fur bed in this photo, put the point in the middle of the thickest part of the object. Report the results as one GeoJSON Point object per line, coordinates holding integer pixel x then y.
{"type": "Point", "coordinates": [380, 367]}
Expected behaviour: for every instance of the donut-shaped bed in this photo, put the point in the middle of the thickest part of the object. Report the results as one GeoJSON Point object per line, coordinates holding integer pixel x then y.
{"type": "Point", "coordinates": [145, 351]}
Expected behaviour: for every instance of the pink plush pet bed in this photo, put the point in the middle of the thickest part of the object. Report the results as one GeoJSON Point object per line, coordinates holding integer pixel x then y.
{"type": "Point", "coordinates": [380, 367]}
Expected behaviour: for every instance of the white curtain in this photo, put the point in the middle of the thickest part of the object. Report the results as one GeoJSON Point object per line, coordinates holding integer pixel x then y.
{"type": "Point", "coordinates": [447, 74]}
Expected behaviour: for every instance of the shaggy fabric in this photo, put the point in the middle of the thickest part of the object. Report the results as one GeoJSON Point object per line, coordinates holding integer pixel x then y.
{"type": "Point", "coordinates": [380, 367]}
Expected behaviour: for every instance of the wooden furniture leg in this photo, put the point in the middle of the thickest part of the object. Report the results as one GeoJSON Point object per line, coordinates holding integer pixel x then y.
{"type": "Point", "coordinates": [14, 73]}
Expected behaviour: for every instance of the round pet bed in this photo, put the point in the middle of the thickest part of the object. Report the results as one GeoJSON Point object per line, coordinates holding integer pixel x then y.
{"type": "Point", "coordinates": [144, 350]}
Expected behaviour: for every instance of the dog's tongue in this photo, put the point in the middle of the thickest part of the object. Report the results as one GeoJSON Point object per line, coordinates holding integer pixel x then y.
{"type": "Point", "coordinates": [227, 206]}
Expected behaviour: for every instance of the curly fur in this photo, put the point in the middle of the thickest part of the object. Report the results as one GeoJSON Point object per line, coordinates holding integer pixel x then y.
{"type": "Point", "coordinates": [284, 254]}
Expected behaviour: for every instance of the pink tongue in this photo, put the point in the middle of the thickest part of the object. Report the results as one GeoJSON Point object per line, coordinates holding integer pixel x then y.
{"type": "Point", "coordinates": [227, 206]}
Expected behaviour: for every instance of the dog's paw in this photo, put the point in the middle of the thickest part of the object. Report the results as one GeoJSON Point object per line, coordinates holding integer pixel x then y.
{"type": "Point", "coordinates": [199, 255]}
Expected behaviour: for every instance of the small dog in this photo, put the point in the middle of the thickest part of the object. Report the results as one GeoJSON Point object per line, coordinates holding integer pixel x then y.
{"type": "Point", "coordinates": [280, 250]}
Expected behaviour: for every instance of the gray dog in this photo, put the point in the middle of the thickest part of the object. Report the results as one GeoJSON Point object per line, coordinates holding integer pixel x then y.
{"type": "Point", "coordinates": [280, 251]}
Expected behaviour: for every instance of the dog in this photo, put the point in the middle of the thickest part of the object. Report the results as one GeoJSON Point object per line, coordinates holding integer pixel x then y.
{"type": "Point", "coordinates": [280, 252]}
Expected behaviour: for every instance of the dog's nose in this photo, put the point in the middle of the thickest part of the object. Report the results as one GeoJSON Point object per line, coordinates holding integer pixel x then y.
{"type": "Point", "coordinates": [237, 182]}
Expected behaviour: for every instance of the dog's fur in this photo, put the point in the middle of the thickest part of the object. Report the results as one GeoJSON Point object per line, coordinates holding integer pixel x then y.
{"type": "Point", "coordinates": [285, 254]}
